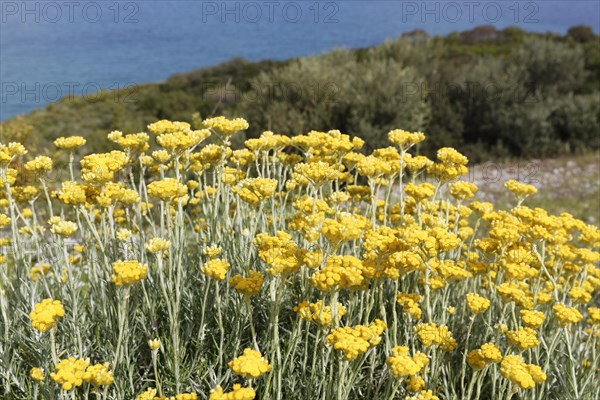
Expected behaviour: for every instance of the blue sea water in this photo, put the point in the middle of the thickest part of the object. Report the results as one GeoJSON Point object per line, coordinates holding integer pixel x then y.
{"type": "Point", "coordinates": [52, 49]}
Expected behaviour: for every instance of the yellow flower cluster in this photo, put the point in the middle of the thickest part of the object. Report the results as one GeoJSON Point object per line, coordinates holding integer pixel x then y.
{"type": "Point", "coordinates": [250, 365]}
{"type": "Point", "coordinates": [522, 375]}
{"type": "Point", "coordinates": [405, 139]}
{"type": "Point", "coordinates": [168, 189]}
{"type": "Point", "coordinates": [486, 354]}
{"type": "Point", "coordinates": [150, 394]}
{"type": "Point", "coordinates": [39, 164]}
{"type": "Point", "coordinates": [410, 304]}
{"type": "Point", "coordinates": [521, 190]}
{"type": "Point", "coordinates": [98, 169]}
{"type": "Point", "coordinates": [212, 251]}
{"type": "Point", "coordinates": [255, 190]}
{"type": "Point", "coordinates": [133, 142]}
{"type": "Point", "coordinates": [476, 303]}
{"type": "Point", "coordinates": [452, 165]}
{"type": "Point", "coordinates": [45, 314]}
{"type": "Point", "coordinates": [62, 228]}
{"type": "Point", "coordinates": [566, 315]}
{"type": "Point", "coordinates": [69, 143]}
{"type": "Point", "coordinates": [532, 319]}
{"type": "Point", "coordinates": [279, 252]}
{"type": "Point", "coordinates": [216, 268]}
{"type": "Point", "coordinates": [237, 393]}
{"type": "Point", "coordinates": [431, 334]}
{"type": "Point", "coordinates": [37, 374]}
{"type": "Point", "coordinates": [354, 341]}
{"type": "Point", "coordinates": [157, 245]}
{"type": "Point", "coordinates": [423, 395]}
{"type": "Point", "coordinates": [69, 373]}
{"type": "Point", "coordinates": [403, 365]}
{"type": "Point", "coordinates": [338, 273]}
{"type": "Point", "coordinates": [98, 375]}
{"type": "Point", "coordinates": [224, 126]}
{"type": "Point", "coordinates": [249, 286]}
{"type": "Point", "coordinates": [128, 272]}
{"type": "Point", "coordinates": [344, 228]}
{"type": "Point", "coordinates": [318, 312]}
{"type": "Point", "coordinates": [462, 190]}
{"type": "Point", "coordinates": [315, 174]}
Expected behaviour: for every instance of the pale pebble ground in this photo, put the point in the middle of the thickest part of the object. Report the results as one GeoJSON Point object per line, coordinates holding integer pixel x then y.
{"type": "Point", "coordinates": [567, 184]}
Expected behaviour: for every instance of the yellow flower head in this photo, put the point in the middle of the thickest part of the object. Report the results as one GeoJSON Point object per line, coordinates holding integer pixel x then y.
{"type": "Point", "coordinates": [69, 143]}
{"type": "Point", "coordinates": [237, 393]}
{"type": "Point", "coordinates": [224, 126]}
{"type": "Point", "coordinates": [250, 365]}
{"type": "Point", "coordinates": [476, 303]}
{"type": "Point", "coordinates": [255, 190]}
{"type": "Point", "coordinates": [45, 314]}
{"type": "Point", "coordinates": [431, 334]}
{"type": "Point", "coordinates": [37, 374]}
{"type": "Point", "coordinates": [128, 272]}
{"type": "Point", "coordinates": [566, 315]}
{"type": "Point", "coordinates": [402, 364]}
{"type": "Point", "coordinates": [523, 338]}
{"type": "Point", "coordinates": [157, 245]}
{"type": "Point", "coordinates": [154, 344]}
{"type": "Point", "coordinates": [521, 190]}
{"type": "Point", "coordinates": [69, 373]}
{"type": "Point", "coordinates": [98, 375]}
{"type": "Point", "coordinates": [354, 341]}
{"type": "Point", "coordinates": [318, 312]}
{"type": "Point", "coordinates": [522, 375]}
{"type": "Point", "coordinates": [216, 269]}
{"type": "Point", "coordinates": [167, 189]}
{"type": "Point", "coordinates": [249, 286]}
{"type": "Point", "coordinates": [532, 319]}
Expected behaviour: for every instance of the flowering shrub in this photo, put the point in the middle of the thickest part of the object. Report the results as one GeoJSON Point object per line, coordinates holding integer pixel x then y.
{"type": "Point", "coordinates": [293, 268]}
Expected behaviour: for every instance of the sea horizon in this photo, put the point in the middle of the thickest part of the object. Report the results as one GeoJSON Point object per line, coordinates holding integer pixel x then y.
{"type": "Point", "coordinates": [50, 50]}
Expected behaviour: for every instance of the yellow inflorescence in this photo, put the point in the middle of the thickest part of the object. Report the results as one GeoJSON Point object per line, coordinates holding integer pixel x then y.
{"type": "Point", "coordinates": [318, 312]}
{"type": "Point", "coordinates": [354, 341]}
{"type": "Point", "coordinates": [216, 268]}
{"type": "Point", "coordinates": [128, 272]}
{"type": "Point", "coordinates": [431, 334]}
{"type": "Point", "coordinates": [402, 364]}
{"type": "Point", "coordinates": [69, 143]}
{"type": "Point", "coordinates": [255, 190]}
{"type": "Point", "coordinates": [70, 372]}
{"type": "Point", "coordinates": [237, 393]}
{"type": "Point", "coordinates": [410, 304]}
{"type": "Point", "coordinates": [37, 374]}
{"type": "Point", "coordinates": [476, 303]}
{"type": "Point", "coordinates": [486, 354]}
{"type": "Point", "coordinates": [157, 245]}
{"type": "Point", "coordinates": [522, 375]}
{"type": "Point", "coordinates": [98, 375]}
{"type": "Point", "coordinates": [532, 319]}
{"type": "Point", "coordinates": [249, 286]}
{"type": "Point", "coordinates": [45, 314]}
{"type": "Point", "coordinates": [566, 315]}
{"type": "Point", "coordinates": [167, 189]}
{"type": "Point", "coordinates": [224, 126]}
{"type": "Point", "coordinates": [250, 365]}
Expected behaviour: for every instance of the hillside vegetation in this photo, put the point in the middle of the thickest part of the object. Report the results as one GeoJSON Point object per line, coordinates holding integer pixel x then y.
{"type": "Point", "coordinates": [495, 94]}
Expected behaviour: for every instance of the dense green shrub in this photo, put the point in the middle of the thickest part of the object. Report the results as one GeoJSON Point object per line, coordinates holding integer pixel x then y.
{"type": "Point", "coordinates": [494, 93]}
